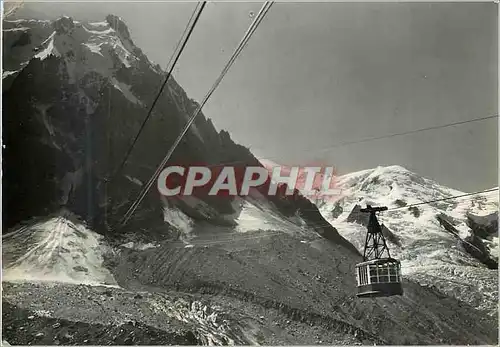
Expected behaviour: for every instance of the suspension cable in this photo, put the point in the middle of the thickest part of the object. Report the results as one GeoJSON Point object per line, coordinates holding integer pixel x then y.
{"type": "Point", "coordinates": [435, 200]}
{"type": "Point", "coordinates": [177, 53]}
{"type": "Point", "coordinates": [270, 233]}
{"type": "Point", "coordinates": [353, 142]}
{"type": "Point", "coordinates": [258, 19]}
{"type": "Point", "coordinates": [342, 144]}
{"type": "Point", "coordinates": [444, 199]}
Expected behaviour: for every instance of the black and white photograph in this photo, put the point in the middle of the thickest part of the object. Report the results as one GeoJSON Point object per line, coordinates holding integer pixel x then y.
{"type": "Point", "coordinates": [250, 173]}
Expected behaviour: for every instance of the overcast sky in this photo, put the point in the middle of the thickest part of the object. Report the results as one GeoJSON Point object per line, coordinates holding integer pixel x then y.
{"type": "Point", "coordinates": [318, 74]}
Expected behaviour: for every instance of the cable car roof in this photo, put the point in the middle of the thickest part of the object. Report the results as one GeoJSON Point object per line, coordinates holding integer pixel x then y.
{"type": "Point", "coordinates": [378, 261]}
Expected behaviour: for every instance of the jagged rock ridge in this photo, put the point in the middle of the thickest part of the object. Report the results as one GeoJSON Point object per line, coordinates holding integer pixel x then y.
{"type": "Point", "coordinates": [79, 92]}
{"type": "Point", "coordinates": [84, 81]}
{"type": "Point", "coordinates": [450, 244]}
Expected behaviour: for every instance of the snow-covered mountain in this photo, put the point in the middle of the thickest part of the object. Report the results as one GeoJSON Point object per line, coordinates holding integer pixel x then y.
{"type": "Point", "coordinates": [190, 270]}
{"type": "Point", "coordinates": [81, 91]}
{"type": "Point", "coordinates": [428, 252]}
{"type": "Point", "coordinates": [56, 249]}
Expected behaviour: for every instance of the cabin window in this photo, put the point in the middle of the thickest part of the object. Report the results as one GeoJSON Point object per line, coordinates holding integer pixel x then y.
{"type": "Point", "coordinates": [362, 276]}
{"type": "Point", "coordinates": [393, 273]}
{"type": "Point", "coordinates": [378, 273]}
{"type": "Point", "coordinates": [373, 274]}
{"type": "Point", "coordinates": [383, 273]}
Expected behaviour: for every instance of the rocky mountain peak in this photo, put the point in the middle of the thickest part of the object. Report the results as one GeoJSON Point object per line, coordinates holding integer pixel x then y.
{"type": "Point", "coordinates": [119, 25]}
{"type": "Point", "coordinates": [78, 117]}
{"type": "Point", "coordinates": [64, 25]}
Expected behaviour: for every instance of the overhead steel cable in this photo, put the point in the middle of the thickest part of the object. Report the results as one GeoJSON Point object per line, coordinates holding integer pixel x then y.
{"type": "Point", "coordinates": [444, 199]}
{"type": "Point", "coordinates": [274, 233]}
{"type": "Point", "coordinates": [353, 142]}
{"type": "Point", "coordinates": [393, 135]}
{"type": "Point", "coordinates": [177, 53]}
{"type": "Point", "coordinates": [258, 19]}
{"type": "Point", "coordinates": [408, 132]}
{"type": "Point", "coordinates": [430, 201]}
{"type": "Point", "coordinates": [265, 8]}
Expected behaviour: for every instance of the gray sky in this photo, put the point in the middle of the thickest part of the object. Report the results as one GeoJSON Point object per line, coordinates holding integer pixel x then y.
{"type": "Point", "coordinates": [318, 74]}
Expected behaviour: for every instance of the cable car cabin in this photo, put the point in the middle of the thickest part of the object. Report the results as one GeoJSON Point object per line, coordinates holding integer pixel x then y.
{"type": "Point", "coordinates": [379, 277]}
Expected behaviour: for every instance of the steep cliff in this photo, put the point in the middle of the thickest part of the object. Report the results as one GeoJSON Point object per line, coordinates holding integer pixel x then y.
{"type": "Point", "coordinates": [75, 95]}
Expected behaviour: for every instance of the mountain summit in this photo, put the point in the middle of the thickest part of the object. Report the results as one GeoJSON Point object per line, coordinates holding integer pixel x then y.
{"type": "Point", "coordinates": [444, 243]}
{"type": "Point", "coordinates": [190, 270]}
{"type": "Point", "coordinates": [80, 92]}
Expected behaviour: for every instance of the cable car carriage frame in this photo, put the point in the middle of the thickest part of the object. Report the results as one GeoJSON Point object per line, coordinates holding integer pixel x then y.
{"type": "Point", "coordinates": [378, 275]}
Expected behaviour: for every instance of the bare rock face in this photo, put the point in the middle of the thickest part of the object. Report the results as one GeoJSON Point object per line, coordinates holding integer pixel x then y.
{"type": "Point", "coordinates": [88, 90]}
{"type": "Point", "coordinates": [337, 210]}
{"type": "Point", "coordinates": [119, 25]}
{"type": "Point", "coordinates": [69, 115]}
{"type": "Point", "coordinates": [64, 25]}
{"type": "Point", "coordinates": [483, 226]}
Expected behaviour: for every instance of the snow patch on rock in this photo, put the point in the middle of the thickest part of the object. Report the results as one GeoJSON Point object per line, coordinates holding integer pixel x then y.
{"type": "Point", "coordinates": [49, 48]}
{"type": "Point", "coordinates": [139, 246]}
{"type": "Point", "coordinates": [180, 221]}
{"type": "Point", "coordinates": [56, 250]}
{"type": "Point", "coordinates": [255, 217]}
{"type": "Point", "coordinates": [134, 180]}
{"type": "Point", "coordinates": [424, 244]}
